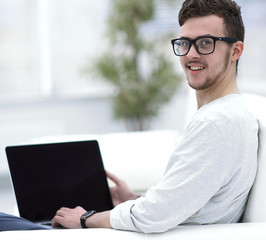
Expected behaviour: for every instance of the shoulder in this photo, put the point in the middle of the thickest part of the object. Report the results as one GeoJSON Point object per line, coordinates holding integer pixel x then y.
{"type": "Point", "coordinates": [230, 110]}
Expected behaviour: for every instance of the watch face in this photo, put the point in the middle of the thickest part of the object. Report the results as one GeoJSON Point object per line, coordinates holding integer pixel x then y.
{"type": "Point", "coordinates": [87, 214]}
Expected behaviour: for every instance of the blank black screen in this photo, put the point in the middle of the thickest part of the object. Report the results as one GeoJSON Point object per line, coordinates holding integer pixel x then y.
{"type": "Point", "coordinates": [47, 177]}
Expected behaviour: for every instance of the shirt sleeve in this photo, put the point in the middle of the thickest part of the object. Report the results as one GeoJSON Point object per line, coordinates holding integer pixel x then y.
{"type": "Point", "coordinates": [195, 172]}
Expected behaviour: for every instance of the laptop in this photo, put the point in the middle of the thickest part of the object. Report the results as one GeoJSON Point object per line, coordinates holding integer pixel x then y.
{"type": "Point", "coordinates": [46, 177]}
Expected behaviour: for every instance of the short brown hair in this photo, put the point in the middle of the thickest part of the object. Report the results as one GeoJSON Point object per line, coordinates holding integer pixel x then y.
{"type": "Point", "coordinates": [226, 9]}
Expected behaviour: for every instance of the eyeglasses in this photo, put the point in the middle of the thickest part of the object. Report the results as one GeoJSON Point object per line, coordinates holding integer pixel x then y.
{"type": "Point", "coordinates": [203, 45]}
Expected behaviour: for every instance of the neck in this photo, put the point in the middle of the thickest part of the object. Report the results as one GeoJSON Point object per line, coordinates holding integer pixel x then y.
{"type": "Point", "coordinates": [221, 89]}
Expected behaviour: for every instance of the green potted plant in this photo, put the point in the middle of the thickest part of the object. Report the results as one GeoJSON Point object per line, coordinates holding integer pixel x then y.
{"type": "Point", "coordinates": [139, 92]}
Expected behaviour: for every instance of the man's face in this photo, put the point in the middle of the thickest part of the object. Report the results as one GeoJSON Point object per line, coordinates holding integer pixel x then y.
{"type": "Point", "coordinates": [205, 71]}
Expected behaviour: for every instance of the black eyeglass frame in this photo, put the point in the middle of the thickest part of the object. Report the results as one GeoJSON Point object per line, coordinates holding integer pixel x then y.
{"type": "Point", "coordinates": [224, 39]}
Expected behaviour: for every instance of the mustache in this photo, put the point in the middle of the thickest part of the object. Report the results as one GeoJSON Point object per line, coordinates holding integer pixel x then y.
{"type": "Point", "coordinates": [196, 62]}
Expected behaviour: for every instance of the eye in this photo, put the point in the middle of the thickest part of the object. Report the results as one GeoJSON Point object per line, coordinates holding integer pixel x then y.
{"type": "Point", "coordinates": [182, 43]}
{"type": "Point", "coordinates": [205, 42]}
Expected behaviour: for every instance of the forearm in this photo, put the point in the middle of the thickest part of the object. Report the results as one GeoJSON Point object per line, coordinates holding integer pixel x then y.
{"type": "Point", "coordinates": [99, 220]}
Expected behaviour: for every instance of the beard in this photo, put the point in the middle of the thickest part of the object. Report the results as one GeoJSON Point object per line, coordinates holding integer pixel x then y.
{"type": "Point", "coordinates": [211, 80]}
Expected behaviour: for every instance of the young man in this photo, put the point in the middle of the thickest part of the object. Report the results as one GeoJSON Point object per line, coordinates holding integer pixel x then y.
{"type": "Point", "coordinates": [210, 173]}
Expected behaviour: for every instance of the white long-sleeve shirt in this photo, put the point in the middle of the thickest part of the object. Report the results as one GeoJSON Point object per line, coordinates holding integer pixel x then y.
{"type": "Point", "coordinates": [208, 176]}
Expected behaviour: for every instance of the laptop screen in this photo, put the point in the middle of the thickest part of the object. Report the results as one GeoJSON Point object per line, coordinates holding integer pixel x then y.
{"type": "Point", "coordinates": [47, 177]}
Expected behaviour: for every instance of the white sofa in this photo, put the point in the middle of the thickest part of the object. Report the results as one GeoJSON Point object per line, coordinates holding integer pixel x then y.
{"type": "Point", "coordinates": [140, 159]}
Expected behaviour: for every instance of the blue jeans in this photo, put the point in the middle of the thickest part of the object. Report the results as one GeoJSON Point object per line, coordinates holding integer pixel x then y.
{"type": "Point", "coordinates": [9, 223]}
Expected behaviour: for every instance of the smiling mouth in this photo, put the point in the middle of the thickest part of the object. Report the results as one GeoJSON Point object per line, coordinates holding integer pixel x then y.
{"type": "Point", "coordinates": [195, 68]}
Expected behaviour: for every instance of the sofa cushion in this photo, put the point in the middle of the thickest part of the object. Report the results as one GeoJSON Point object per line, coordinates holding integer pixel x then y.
{"type": "Point", "coordinates": [256, 206]}
{"type": "Point", "coordinates": [130, 155]}
{"type": "Point", "coordinates": [139, 158]}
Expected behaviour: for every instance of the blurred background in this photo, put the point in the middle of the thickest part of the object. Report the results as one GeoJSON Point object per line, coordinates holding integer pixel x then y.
{"type": "Point", "coordinates": [52, 81]}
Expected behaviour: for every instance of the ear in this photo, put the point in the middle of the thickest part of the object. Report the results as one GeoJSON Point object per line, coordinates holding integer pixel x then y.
{"type": "Point", "coordinates": [237, 50]}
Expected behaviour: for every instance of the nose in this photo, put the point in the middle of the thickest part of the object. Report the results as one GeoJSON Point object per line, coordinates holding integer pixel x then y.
{"type": "Point", "coordinates": [193, 51]}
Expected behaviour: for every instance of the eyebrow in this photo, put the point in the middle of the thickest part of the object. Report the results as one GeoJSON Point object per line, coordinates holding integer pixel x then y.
{"type": "Point", "coordinates": [206, 35]}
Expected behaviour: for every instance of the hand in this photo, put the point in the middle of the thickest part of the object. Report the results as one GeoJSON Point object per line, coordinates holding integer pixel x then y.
{"type": "Point", "coordinates": [68, 218]}
{"type": "Point", "coordinates": [121, 192]}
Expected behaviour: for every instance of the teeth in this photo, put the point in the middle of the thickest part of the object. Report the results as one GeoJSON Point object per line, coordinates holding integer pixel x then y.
{"type": "Point", "coordinates": [196, 68]}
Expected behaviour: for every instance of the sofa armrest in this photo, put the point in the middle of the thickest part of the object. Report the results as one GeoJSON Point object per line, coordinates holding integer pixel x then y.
{"type": "Point", "coordinates": [243, 231]}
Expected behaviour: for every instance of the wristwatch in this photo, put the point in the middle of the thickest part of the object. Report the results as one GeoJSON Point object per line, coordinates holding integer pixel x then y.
{"type": "Point", "coordinates": [85, 216]}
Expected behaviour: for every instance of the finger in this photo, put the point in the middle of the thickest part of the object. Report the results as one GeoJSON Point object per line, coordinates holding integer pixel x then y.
{"type": "Point", "coordinates": [64, 208]}
{"type": "Point", "coordinates": [56, 221]}
{"type": "Point", "coordinates": [113, 177]}
{"type": "Point", "coordinates": [61, 211]}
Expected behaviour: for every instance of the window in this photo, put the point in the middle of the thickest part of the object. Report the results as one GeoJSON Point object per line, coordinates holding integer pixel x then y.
{"type": "Point", "coordinates": [77, 28]}
{"type": "Point", "coordinates": [252, 63]}
{"type": "Point", "coordinates": [44, 45]}
{"type": "Point", "coordinates": [19, 58]}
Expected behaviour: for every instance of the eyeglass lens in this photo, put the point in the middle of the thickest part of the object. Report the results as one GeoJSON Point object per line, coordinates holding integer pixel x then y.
{"type": "Point", "coordinates": [202, 45]}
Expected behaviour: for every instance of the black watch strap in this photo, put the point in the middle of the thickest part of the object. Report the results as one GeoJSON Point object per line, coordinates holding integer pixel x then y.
{"type": "Point", "coordinates": [84, 217]}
